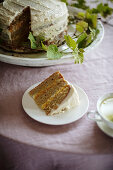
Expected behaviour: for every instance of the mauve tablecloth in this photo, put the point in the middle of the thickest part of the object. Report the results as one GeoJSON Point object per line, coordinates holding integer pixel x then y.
{"type": "Point", "coordinates": [19, 156]}
{"type": "Point", "coordinates": [95, 76]}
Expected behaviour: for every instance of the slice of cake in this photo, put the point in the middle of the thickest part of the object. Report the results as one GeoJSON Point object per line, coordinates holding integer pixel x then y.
{"type": "Point", "coordinates": [54, 95]}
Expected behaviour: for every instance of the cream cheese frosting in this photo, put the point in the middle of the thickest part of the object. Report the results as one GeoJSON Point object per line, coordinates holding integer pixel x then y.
{"type": "Point", "coordinates": [71, 101]}
{"type": "Point", "coordinates": [48, 18]}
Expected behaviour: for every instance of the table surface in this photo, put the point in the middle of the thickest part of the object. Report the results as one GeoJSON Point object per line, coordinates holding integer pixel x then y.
{"type": "Point", "coordinates": [95, 76]}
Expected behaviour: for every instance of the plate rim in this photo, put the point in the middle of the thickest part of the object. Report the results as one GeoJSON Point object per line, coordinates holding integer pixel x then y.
{"type": "Point", "coordinates": [56, 124]}
{"type": "Point", "coordinates": [39, 62]}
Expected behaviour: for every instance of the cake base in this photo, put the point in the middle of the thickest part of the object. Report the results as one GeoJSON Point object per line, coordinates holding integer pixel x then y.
{"type": "Point", "coordinates": [59, 40]}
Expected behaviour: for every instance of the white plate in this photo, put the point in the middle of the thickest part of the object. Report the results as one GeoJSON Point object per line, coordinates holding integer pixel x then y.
{"type": "Point", "coordinates": [40, 59]}
{"type": "Point", "coordinates": [70, 116]}
{"type": "Point", "coordinates": [104, 128]}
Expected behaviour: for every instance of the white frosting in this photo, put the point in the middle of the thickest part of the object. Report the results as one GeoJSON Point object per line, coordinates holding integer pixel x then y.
{"type": "Point", "coordinates": [48, 17]}
{"type": "Point", "coordinates": [72, 100]}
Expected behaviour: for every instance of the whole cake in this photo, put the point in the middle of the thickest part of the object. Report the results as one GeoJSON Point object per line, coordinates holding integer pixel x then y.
{"type": "Point", "coordinates": [55, 95]}
{"type": "Point", "coordinates": [44, 18]}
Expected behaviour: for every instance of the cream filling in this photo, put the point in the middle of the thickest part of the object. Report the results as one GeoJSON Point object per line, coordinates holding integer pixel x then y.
{"type": "Point", "coordinates": [71, 101]}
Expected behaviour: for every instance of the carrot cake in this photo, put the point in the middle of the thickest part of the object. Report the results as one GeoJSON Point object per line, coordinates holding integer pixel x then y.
{"type": "Point", "coordinates": [55, 94]}
{"type": "Point", "coordinates": [44, 18]}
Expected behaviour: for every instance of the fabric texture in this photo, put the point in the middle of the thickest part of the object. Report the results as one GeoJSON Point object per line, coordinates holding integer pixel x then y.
{"type": "Point", "coordinates": [18, 156]}
{"type": "Point", "coordinates": [95, 76]}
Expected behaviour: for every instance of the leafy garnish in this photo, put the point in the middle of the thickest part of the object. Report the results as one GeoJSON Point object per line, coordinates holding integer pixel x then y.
{"type": "Point", "coordinates": [53, 53]}
{"type": "Point", "coordinates": [81, 26]}
{"type": "Point", "coordinates": [80, 40]}
{"type": "Point", "coordinates": [70, 42]}
{"type": "Point", "coordinates": [91, 36]}
{"type": "Point", "coordinates": [87, 32]}
{"type": "Point", "coordinates": [80, 4]}
{"type": "Point", "coordinates": [103, 9]}
{"type": "Point", "coordinates": [44, 47]}
{"type": "Point", "coordinates": [91, 19]}
{"type": "Point", "coordinates": [32, 41]}
{"type": "Point", "coordinates": [76, 52]}
{"type": "Point", "coordinates": [81, 15]}
{"type": "Point", "coordinates": [78, 56]}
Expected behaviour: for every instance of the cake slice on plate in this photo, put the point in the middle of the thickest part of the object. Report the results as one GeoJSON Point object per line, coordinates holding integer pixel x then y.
{"type": "Point", "coordinates": [55, 95]}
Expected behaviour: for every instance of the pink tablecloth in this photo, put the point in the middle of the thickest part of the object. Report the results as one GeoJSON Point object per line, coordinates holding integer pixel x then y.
{"type": "Point", "coordinates": [95, 76]}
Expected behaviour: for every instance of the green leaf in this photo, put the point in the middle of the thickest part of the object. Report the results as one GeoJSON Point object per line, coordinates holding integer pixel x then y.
{"type": "Point", "coordinates": [77, 53]}
{"type": "Point", "coordinates": [91, 19]}
{"type": "Point", "coordinates": [88, 40]}
{"type": "Point", "coordinates": [91, 37]}
{"type": "Point", "coordinates": [81, 50]}
{"type": "Point", "coordinates": [81, 39]}
{"type": "Point", "coordinates": [53, 53]}
{"type": "Point", "coordinates": [94, 10]}
{"type": "Point", "coordinates": [81, 15]}
{"type": "Point", "coordinates": [81, 26]}
{"type": "Point", "coordinates": [81, 57]}
{"type": "Point", "coordinates": [70, 42]}
{"type": "Point", "coordinates": [94, 20]}
{"type": "Point", "coordinates": [32, 41]}
{"type": "Point", "coordinates": [44, 47]}
{"type": "Point", "coordinates": [80, 4]}
{"type": "Point", "coordinates": [93, 32]}
{"type": "Point", "coordinates": [104, 10]}
{"type": "Point", "coordinates": [78, 56]}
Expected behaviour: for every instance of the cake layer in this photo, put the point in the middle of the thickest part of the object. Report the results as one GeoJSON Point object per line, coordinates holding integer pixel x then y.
{"type": "Point", "coordinates": [46, 83]}
{"type": "Point", "coordinates": [51, 92]}
{"type": "Point", "coordinates": [20, 27]}
{"type": "Point", "coordinates": [17, 32]}
{"type": "Point", "coordinates": [54, 101]}
{"type": "Point", "coordinates": [45, 96]}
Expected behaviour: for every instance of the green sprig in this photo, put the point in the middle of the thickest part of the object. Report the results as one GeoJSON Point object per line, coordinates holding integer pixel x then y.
{"type": "Point", "coordinates": [103, 9]}
{"type": "Point", "coordinates": [32, 41]}
{"type": "Point", "coordinates": [52, 51]}
{"type": "Point", "coordinates": [76, 52]}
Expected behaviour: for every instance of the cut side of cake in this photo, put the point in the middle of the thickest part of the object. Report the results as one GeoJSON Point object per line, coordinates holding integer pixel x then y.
{"type": "Point", "coordinates": [14, 35]}
{"type": "Point", "coordinates": [47, 20]}
{"type": "Point", "coordinates": [51, 95]}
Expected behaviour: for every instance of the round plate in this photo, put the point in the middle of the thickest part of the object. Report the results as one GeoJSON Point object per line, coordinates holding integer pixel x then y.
{"type": "Point", "coordinates": [69, 116]}
{"type": "Point", "coordinates": [40, 59]}
{"type": "Point", "coordinates": [108, 131]}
